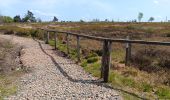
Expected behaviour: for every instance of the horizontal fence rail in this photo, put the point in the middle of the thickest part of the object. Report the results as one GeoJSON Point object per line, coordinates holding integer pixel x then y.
{"type": "Point", "coordinates": [106, 56]}
{"type": "Point", "coordinates": [112, 40]}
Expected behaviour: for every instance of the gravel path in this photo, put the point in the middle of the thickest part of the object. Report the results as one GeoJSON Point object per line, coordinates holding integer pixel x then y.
{"type": "Point", "coordinates": [53, 77]}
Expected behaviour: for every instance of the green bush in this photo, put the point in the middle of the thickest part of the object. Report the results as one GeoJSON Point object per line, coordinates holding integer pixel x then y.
{"type": "Point", "coordinates": [92, 60]}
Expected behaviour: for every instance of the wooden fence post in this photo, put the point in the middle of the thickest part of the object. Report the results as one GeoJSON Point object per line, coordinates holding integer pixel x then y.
{"type": "Point", "coordinates": [55, 38]}
{"type": "Point", "coordinates": [67, 38]}
{"type": "Point", "coordinates": [102, 67]}
{"type": "Point", "coordinates": [47, 38]}
{"type": "Point", "coordinates": [106, 60]}
{"type": "Point", "coordinates": [78, 48]}
{"type": "Point", "coordinates": [128, 52]}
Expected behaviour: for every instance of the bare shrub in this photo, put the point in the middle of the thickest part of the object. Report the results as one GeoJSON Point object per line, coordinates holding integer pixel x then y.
{"type": "Point", "coordinates": [9, 32]}
{"type": "Point", "coordinates": [151, 59]}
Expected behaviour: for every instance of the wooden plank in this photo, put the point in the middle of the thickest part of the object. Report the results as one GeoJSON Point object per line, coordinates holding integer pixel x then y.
{"type": "Point", "coordinates": [113, 40]}
{"type": "Point", "coordinates": [67, 38]}
{"type": "Point", "coordinates": [106, 63]}
{"type": "Point", "coordinates": [78, 48]}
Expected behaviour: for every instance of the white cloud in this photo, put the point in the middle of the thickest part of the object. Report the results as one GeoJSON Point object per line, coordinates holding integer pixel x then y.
{"type": "Point", "coordinates": [160, 17]}
{"type": "Point", "coordinates": [162, 2]}
{"type": "Point", "coordinates": [156, 1]}
{"type": "Point", "coordinates": [44, 13]}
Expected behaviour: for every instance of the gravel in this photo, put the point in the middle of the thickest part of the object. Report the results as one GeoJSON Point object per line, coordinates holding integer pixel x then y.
{"type": "Point", "coordinates": [53, 77]}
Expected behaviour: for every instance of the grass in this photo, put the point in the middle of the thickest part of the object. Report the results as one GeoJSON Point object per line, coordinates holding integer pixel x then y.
{"type": "Point", "coordinates": [127, 96]}
{"type": "Point", "coordinates": [163, 93]}
{"type": "Point", "coordinates": [94, 69]}
{"type": "Point", "coordinates": [4, 92]}
{"type": "Point", "coordinates": [63, 48]}
{"type": "Point", "coordinates": [118, 55]}
{"type": "Point", "coordinates": [146, 87]}
{"type": "Point", "coordinates": [8, 84]}
{"type": "Point", "coordinates": [83, 63]}
{"type": "Point", "coordinates": [124, 80]}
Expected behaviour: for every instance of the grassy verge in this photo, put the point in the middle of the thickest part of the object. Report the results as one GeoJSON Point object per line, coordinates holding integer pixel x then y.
{"type": "Point", "coordinates": [126, 80]}
{"type": "Point", "coordinates": [10, 71]}
{"type": "Point", "coordinates": [8, 84]}
{"type": "Point", "coordinates": [63, 48]}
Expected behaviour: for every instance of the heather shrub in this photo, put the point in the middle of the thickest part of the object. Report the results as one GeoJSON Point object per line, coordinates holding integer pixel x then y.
{"type": "Point", "coordinates": [92, 60]}
{"type": "Point", "coordinates": [151, 59]}
{"type": "Point", "coordinates": [8, 32]}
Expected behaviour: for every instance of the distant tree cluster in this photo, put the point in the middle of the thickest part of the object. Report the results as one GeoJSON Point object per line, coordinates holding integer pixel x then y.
{"type": "Point", "coordinates": [7, 19]}
{"type": "Point", "coordinates": [55, 19]}
{"type": "Point", "coordinates": [140, 16]}
{"type": "Point", "coordinates": [17, 18]}
{"type": "Point", "coordinates": [29, 17]}
{"type": "Point", "coordinates": [151, 19]}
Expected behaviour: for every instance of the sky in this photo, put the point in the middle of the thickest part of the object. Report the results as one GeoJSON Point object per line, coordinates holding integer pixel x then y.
{"type": "Point", "coordinates": [74, 10]}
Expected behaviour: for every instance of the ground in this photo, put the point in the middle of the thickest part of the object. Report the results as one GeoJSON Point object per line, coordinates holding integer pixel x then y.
{"type": "Point", "coordinates": [147, 76]}
{"type": "Point", "coordinates": [54, 77]}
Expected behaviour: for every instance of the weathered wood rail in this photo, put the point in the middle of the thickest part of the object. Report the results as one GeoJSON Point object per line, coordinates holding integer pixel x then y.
{"type": "Point", "coordinates": [106, 56]}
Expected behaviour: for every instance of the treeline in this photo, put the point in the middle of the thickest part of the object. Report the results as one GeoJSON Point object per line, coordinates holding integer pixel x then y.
{"type": "Point", "coordinates": [29, 17]}
{"type": "Point", "coordinates": [139, 19]}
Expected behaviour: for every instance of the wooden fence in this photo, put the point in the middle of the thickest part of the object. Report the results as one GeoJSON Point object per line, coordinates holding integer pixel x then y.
{"type": "Point", "coordinates": [106, 54]}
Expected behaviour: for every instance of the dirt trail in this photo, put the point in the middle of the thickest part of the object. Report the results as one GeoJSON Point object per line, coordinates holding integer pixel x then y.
{"type": "Point", "coordinates": [53, 77]}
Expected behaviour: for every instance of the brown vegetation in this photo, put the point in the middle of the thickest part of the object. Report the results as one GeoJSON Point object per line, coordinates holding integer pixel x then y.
{"type": "Point", "coordinates": [149, 64]}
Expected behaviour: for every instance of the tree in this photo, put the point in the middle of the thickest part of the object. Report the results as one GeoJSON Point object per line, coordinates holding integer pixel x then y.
{"type": "Point", "coordinates": [55, 19]}
{"type": "Point", "coordinates": [106, 20]}
{"type": "Point", "coordinates": [25, 19]}
{"type": "Point", "coordinates": [151, 19]}
{"type": "Point", "coordinates": [29, 17]}
{"type": "Point", "coordinates": [81, 20]}
{"type": "Point", "coordinates": [7, 19]}
{"type": "Point", "coordinates": [17, 18]}
{"type": "Point", "coordinates": [140, 16]}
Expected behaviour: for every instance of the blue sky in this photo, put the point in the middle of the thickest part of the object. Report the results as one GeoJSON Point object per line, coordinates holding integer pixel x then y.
{"type": "Point", "coordinates": [75, 10]}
